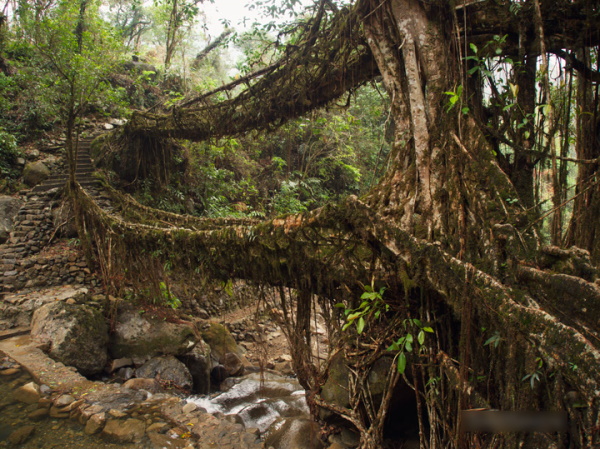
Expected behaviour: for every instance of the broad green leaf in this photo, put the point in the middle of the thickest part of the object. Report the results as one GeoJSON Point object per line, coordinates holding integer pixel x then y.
{"type": "Point", "coordinates": [354, 316]}
{"type": "Point", "coordinates": [401, 363]}
{"type": "Point", "coordinates": [360, 325]}
{"type": "Point", "coordinates": [428, 329]}
{"type": "Point", "coordinates": [421, 337]}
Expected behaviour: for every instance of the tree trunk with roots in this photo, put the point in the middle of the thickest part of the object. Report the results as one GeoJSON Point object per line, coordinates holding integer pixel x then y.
{"type": "Point", "coordinates": [515, 324]}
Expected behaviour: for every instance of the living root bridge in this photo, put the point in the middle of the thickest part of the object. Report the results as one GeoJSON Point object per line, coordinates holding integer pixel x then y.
{"type": "Point", "coordinates": [333, 247]}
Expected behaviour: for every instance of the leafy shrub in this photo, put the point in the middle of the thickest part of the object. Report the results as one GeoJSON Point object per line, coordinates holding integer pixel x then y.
{"type": "Point", "coordinates": [9, 152]}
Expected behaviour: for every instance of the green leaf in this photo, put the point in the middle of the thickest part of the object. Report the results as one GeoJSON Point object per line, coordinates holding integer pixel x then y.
{"type": "Point", "coordinates": [346, 326]}
{"type": "Point", "coordinates": [360, 325]}
{"type": "Point", "coordinates": [340, 305]}
{"type": "Point", "coordinates": [428, 329]}
{"type": "Point", "coordinates": [401, 363]}
{"type": "Point", "coordinates": [421, 337]}
{"type": "Point", "coordinates": [473, 47]}
{"type": "Point", "coordinates": [417, 322]}
{"type": "Point", "coordinates": [408, 346]}
{"type": "Point", "coordinates": [409, 338]}
{"type": "Point", "coordinates": [354, 316]}
{"type": "Point", "coordinates": [393, 347]}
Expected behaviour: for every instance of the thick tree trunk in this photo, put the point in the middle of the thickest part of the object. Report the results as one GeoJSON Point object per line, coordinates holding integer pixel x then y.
{"type": "Point", "coordinates": [443, 183]}
{"type": "Point", "coordinates": [584, 229]}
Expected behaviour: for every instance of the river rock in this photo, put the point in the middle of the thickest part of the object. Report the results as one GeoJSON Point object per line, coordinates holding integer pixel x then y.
{"type": "Point", "coordinates": [233, 364]}
{"type": "Point", "coordinates": [295, 433]}
{"type": "Point", "coordinates": [34, 173]}
{"type": "Point", "coordinates": [9, 207]}
{"type": "Point", "coordinates": [128, 431]}
{"type": "Point", "coordinates": [28, 393]}
{"type": "Point", "coordinates": [95, 424]}
{"type": "Point", "coordinates": [21, 435]}
{"type": "Point", "coordinates": [76, 335]}
{"type": "Point", "coordinates": [136, 335]}
{"type": "Point", "coordinates": [198, 361]}
{"type": "Point", "coordinates": [140, 383]}
{"type": "Point", "coordinates": [167, 368]}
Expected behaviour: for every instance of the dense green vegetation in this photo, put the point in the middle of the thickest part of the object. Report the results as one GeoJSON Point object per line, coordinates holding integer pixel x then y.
{"type": "Point", "coordinates": [297, 167]}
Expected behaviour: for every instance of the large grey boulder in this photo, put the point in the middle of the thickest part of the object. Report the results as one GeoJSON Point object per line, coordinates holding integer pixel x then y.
{"type": "Point", "coordinates": [35, 173]}
{"type": "Point", "coordinates": [139, 336]}
{"type": "Point", "coordinates": [168, 369]}
{"type": "Point", "coordinates": [76, 335]}
{"type": "Point", "coordinates": [199, 363]}
{"type": "Point", "coordinates": [9, 207]}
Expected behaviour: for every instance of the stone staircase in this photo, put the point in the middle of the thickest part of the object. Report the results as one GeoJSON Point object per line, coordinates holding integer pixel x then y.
{"type": "Point", "coordinates": [83, 172]}
{"type": "Point", "coordinates": [33, 229]}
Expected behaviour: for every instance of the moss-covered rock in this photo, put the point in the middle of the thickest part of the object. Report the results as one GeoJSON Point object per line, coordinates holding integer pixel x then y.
{"type": "Point", "coordinates": [220, 341]}
{"type": "Point", "coordinates": [138, 335]}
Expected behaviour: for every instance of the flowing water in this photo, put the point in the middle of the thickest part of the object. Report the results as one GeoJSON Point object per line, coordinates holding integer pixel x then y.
{"type": "Point", "coordinates": [273, 404]}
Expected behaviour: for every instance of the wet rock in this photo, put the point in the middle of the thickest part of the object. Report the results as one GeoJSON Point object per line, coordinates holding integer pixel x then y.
{"type": "Point", "coordinates": [64, 400]}
{"type": "Point", "coordinates": [296, 433]}
{"type": "Point", "coordinates": [233, 364]}
{"type": "Point", "coordinates": [159, 440]}
{"type": "Point", "coordinates": [95, 423]}
{"type": "Point", "coordinates": [21, 435]}
{"type": "Point", "coordinates": [168, 369]}
{"type": "Point", "coordinates": [198, 361]}
{"type": "Point", "coordinates": [136, 335]}
{"type": "Point", "coordinates": [34, 173]}
{"type": "Point", "coordinates": [28, 393]}
{"type": "Point", "coordinates": [189, 407]}
{"type": "Point", "coordinates": [158, 427]}
{"type": "Point", "coordinates": [218, 374]}
{"type": "Point", "coordinates": [128, 431]}
{"type": "Point", "coordinates": [40, 413]}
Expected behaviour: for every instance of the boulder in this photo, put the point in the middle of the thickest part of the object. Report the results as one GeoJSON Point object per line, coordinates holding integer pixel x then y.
{"type": "Point", "coordinates": [199, 363]}
{"type": "Point", "coordinates": [140, 336]}
{"type": "Point", "coordinates": [34, 173]}
{"type": "Point", "coordinates": [76, 335]}
{"type": "Point", "coordinates": [220, 341]}
{"type": "Point", "coordinates": [233, 364]}
{"type": "Point", "coordinates": [169, 369]}
{"type": "Point", "coordinates": [9, 207]}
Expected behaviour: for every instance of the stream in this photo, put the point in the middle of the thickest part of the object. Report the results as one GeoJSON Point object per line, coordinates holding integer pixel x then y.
{"type": "Point", "coordinates": [273, 404]}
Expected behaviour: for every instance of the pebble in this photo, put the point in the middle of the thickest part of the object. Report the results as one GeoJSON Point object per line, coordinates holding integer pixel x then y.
{"type": "Point", "coordinates": [189, 407]}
